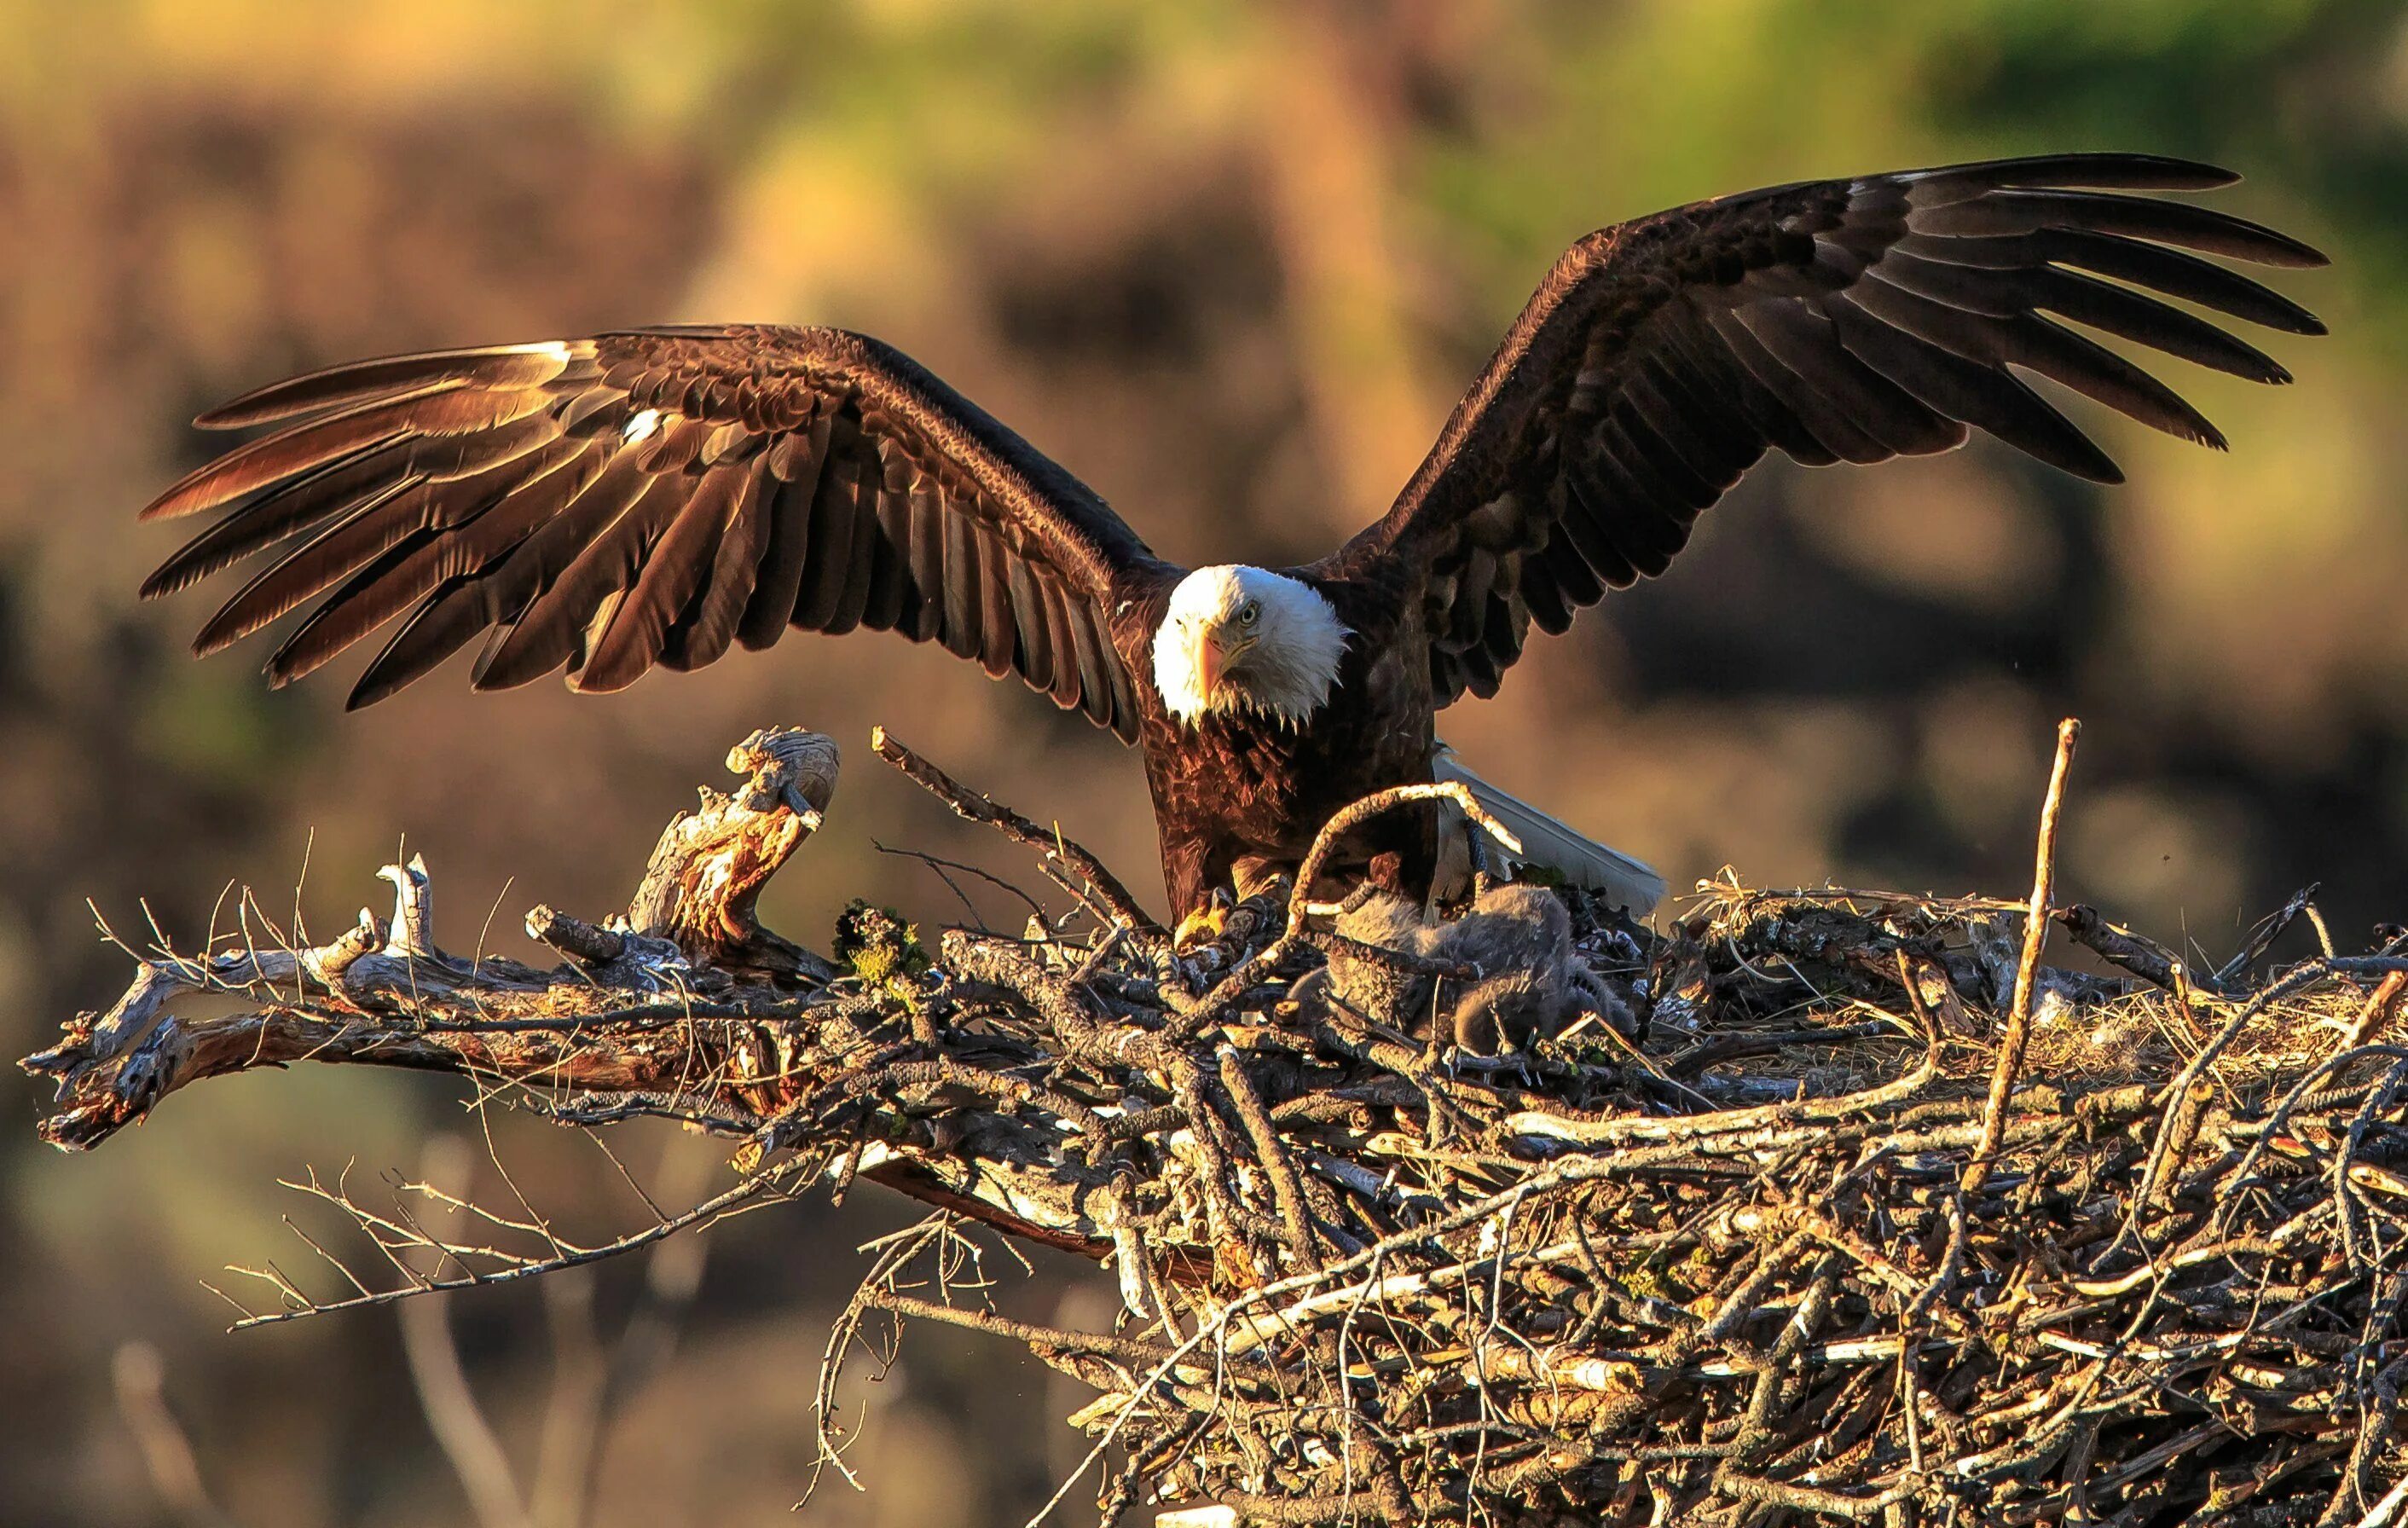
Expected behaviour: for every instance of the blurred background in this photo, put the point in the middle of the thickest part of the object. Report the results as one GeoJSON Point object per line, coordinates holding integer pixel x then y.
{"type": "Point", "coordinates": [1231, 263]}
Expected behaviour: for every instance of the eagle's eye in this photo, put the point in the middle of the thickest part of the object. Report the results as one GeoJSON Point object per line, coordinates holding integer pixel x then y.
{"type": "Point", "coordinates": [1250, 612]}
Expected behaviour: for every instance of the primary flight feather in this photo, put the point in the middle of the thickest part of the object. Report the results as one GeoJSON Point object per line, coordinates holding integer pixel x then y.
{"type": "Point", "coordinates": [656, 495]}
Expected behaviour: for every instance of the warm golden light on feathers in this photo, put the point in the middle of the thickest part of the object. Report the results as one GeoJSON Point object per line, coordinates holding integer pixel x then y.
{"type": "Point", "coordinates": [655, 498]}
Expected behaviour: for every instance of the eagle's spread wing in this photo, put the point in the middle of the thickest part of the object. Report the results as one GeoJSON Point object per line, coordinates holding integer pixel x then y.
{"type": "Point", "coordinates": [1838, 321]}
{"type": "Point", "coordinates": [647, 498]}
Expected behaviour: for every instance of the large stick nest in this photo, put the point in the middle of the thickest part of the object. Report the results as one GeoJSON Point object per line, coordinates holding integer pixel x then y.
{"type": "Point", "coordinates": [1823, 1204]}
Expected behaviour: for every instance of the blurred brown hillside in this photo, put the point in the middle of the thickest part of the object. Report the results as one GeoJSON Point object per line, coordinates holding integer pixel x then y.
{"type": "Point", "coordinates": [1231, 263]}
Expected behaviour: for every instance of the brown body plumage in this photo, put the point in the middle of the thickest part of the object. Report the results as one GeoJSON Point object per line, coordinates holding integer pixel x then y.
{"type": "Point", "coordinates": [1242, 792]}
{"type": "Point", "coordinates": [656, 497]}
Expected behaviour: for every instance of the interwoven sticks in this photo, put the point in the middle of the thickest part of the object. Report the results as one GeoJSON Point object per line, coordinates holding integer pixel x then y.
{"type": "Point", "coordinates": [1773, 1255]}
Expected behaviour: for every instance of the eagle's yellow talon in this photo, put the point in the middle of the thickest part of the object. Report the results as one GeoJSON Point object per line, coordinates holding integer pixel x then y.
{"type": "Point", "coordinates": [1204, 926]}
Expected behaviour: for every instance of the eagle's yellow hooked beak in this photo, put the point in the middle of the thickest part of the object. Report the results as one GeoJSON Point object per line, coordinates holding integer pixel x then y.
{"type": "Point", "coordinates": [1212, 661]}
{"type": "Point", "coordinates": [1215, 653]}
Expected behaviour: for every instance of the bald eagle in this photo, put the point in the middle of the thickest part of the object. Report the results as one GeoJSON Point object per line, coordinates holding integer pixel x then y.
{"type": "Point", "coordinates": [657, 496]}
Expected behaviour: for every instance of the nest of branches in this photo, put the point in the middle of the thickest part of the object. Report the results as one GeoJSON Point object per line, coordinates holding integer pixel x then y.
{"type": "Point", "coordinates": [1814, 1206]}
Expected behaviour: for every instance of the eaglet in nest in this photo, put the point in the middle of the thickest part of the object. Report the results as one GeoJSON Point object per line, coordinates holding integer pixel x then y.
{"type": "Point", "coordinates": [1531, 982]}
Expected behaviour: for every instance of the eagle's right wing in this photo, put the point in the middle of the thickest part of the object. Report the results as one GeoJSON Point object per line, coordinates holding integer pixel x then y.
{"type": "Point", "coordinates": [652, 496]}
{"type": "Point", "coordinates": [1836, 320]}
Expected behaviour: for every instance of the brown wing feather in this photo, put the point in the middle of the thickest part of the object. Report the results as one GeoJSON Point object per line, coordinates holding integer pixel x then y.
{"type": "Point", "coordinates": [1833, 320]}
{"type": "Point", "coordinates": [652, 497]}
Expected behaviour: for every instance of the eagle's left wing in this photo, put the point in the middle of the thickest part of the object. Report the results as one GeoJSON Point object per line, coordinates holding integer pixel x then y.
{"type": "Point", "coordinates": [1836, 320]}
{"type": "Point", "coordinates": [652, 497]}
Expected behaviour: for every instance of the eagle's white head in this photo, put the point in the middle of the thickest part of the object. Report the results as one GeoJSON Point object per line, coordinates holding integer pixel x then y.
{"type": "Point", "coordinates": [1238, 639]}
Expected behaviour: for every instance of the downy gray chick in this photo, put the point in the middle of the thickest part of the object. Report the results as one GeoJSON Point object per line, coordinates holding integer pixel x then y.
{"type": "Point", "coordinates": [1520, 938]}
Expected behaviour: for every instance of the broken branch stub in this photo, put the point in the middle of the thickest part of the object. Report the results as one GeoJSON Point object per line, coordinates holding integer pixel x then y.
{"type": "Point", "coordinates": [384, 992]}
{"type": "Point", "coordinates": [707, 872]}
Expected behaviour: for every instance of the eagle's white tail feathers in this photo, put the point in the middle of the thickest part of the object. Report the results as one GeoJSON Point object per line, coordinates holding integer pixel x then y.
{"type": "Point", "coordinates": [1546, 841]}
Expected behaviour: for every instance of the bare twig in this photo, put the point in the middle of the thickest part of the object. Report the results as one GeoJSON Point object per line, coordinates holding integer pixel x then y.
{"type": "Point", "coordinates": [2011, 1044]}
{"type": "Point", "coordinates": [1117, 905]}
{"type": "Point", "coordinates": [2382, 1004]}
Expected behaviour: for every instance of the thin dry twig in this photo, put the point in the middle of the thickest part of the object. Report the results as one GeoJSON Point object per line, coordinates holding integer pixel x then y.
{"type": "Point", "coordinates": [1116, 903]}
{"type": "Point", "coordinates": [2011, 1045]}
